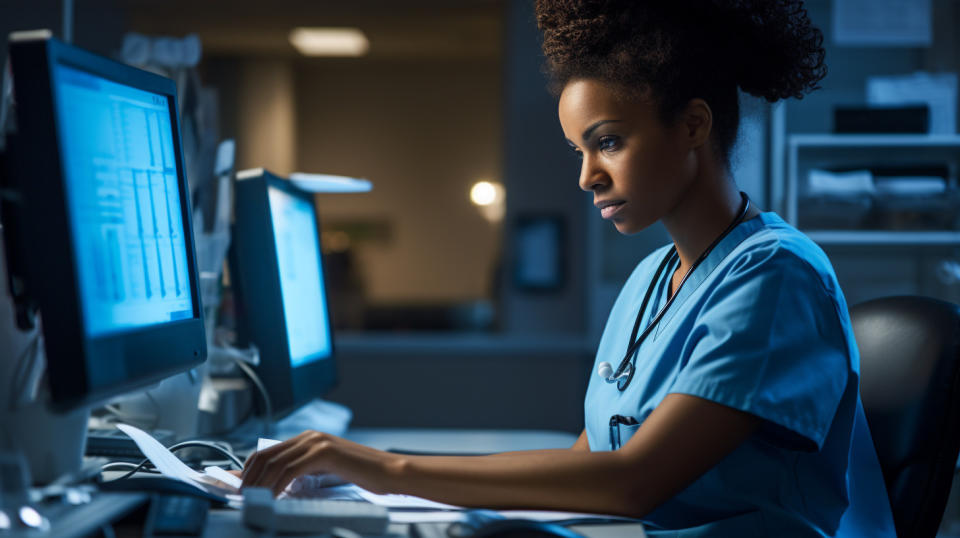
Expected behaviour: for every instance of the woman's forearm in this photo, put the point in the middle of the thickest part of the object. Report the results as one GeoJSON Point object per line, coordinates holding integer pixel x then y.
{"type": "Point", "coordinates": [679, 441]}
{"type": "Point", "coordinates": [562, 479]}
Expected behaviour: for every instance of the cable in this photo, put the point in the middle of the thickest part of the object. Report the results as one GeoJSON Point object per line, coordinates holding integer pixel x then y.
{"type": "Point", "coordinates": [132, 472]}
{"type": "Point", "coordinates": [137, 468]}
{"type": "Point", "coordinates": [212, 446]}
{"type": "Point", "coordinates": [185, 444]}
{"type": "Point", "coordinates": [268, 409]}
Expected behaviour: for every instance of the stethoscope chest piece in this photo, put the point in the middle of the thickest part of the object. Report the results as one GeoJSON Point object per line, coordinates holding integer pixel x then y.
{"type": "Point", "coordinates": [605, 371]}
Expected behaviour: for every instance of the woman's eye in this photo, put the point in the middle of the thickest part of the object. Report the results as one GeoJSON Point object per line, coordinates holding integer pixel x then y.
{"type": "Point", "coordinates": [607, 143]}
{"type": "Point", "coordinates": [577, 153]}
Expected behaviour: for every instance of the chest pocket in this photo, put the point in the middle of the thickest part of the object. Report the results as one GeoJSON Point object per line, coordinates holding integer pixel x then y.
{"type": "Point", "coordinates": [622, 429]}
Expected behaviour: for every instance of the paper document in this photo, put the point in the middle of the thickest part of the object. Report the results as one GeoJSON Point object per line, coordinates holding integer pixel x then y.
{"type": "Point", "coordinates": [229, 479]}
{"type": "Point", "coordinates": [163, 459]}
{"type": "Point", "coordinates": [450, 516]}
{"type": "Point", "coordinates": [305, 484]}
{"type": "Point", "coordinates": [403, 502]}
{"type": "Point", "coordinates": [263, 443]}
{"type": "Point", "coordinates": [892, 23]}
{"type": "Point", "coordinates": [171, 466]}
{"type": "Point", "coordinates": [562, 517]}
{"type": "Point", "coordinates": [425, 516]}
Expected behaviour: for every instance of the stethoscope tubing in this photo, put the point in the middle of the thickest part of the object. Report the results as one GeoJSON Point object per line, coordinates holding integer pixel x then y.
{"type": "Point", "coordinates": [626, 364]}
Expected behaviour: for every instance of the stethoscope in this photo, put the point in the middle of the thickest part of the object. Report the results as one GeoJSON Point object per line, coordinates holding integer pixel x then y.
{"type": "Point", "coordinates": [624, 373]}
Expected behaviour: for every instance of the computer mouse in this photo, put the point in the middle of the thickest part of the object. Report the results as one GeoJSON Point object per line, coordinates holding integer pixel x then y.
{"type": "Point", "coordinates": [159, 484]}
{"type": "Point", "coordinates": [520, 528]}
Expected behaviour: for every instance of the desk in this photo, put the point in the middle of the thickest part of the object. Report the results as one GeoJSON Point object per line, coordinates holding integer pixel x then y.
{"type": "Point", "coordinates": [460, 440]}
{"type": "Point", "coordinates": [223, 523]}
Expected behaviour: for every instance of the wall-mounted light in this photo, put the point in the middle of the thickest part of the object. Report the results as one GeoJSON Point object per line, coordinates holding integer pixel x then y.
{"type": "Point", "coordinates": [330, 41]}
{"type": "Point", "coordinates": [490, 199]}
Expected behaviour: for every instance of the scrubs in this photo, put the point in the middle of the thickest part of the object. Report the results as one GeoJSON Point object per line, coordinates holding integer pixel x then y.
{"type": "Point", "coordinates": [760, 326]}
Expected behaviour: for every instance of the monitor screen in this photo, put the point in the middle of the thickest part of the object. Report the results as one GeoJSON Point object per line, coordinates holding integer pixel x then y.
{"type": "Point", "coordinates": [124, 202]}
{"type": "Point", "coordinates": [279, 286]}
{"type": "Point", "coordinates": [301, 277]}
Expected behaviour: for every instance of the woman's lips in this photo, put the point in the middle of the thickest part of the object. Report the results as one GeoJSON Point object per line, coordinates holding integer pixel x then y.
{"type": "Point", "coordinates": [608, 211]}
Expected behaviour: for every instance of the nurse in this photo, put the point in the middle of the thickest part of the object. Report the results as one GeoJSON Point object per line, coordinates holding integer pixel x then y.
{"type": "Point", "coordinates": [728, 396]}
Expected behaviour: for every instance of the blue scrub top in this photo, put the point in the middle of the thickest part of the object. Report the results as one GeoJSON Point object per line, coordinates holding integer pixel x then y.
{"type": "Point", "coordinates": [760, 326]}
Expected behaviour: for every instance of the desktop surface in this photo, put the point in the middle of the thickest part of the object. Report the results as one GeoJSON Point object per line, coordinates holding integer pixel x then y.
{"type": "Point", "coordinates": [229, 522]}
{"type": "Point", "coordinates": [455, 440]}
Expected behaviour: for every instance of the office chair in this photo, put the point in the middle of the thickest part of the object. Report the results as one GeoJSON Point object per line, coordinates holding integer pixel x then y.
{"type": "Point", "coordinates": [910, 388]}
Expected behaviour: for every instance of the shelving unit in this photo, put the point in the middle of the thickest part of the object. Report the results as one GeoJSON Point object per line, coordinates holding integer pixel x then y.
{"type": "Point", "coordinates": [875, 140]}
{"type": "Point", "coordinates": [884, 237]}
{"type": "Point", "coordinates": [808, 151]}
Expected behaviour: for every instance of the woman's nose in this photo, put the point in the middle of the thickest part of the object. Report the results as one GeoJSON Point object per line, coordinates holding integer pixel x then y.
{"type": "Point", "coordinates": [592, 177]}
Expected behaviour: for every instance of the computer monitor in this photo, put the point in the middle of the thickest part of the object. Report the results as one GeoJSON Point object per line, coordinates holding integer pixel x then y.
{"type": "Point", "coordinates": [279, 283]}
{"type": "Point", "coordinates": [100, 239]}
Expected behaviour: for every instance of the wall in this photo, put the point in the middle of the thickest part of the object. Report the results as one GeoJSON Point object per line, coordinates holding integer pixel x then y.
{"type": "Point", "coordinates": [267, 126]}
{"type": "Point", "coordinates": [540, 174]}
{"type": "Point", "coordinates": [463, 381]}
{"type": "Point", "coordinates": [423, 132]}
{"type": "Point", "coordinates": [534, 374]}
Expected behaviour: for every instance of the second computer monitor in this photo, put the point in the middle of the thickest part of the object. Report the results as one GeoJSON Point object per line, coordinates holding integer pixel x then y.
{"type": "Point", "coordinates": [277, 273]}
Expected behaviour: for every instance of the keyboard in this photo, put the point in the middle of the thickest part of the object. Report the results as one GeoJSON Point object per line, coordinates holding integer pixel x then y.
{"type": "Point", "coordinates": [261, 511]}
{"type": "Point", "coordinates": [116, 445]}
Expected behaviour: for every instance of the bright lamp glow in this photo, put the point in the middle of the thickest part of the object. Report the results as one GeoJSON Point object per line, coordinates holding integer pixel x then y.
{"type": "Point", "coordinates": [483, 193]}
{"type": "Point", "coordinates": [330, 41]}
{"type": "Point", "coordinates": [490, 199]}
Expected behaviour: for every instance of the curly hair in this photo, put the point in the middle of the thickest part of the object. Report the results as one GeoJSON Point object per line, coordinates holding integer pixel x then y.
{"type": "Point", "coordinates": [677, 50]}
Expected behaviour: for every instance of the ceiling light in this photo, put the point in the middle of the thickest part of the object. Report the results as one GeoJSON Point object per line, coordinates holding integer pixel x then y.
{"type": "Point", "coordinates": [329, 41]}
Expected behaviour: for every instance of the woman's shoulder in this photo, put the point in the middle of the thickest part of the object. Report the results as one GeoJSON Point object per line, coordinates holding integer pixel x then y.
{"type": "Point", "coordinates": [778, 247]}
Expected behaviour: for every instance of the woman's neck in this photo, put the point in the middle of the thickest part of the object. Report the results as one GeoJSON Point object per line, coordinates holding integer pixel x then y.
{"type": "Point", "coordinates": [704, 212]}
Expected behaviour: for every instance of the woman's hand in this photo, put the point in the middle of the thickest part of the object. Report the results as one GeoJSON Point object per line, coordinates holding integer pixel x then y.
{"type": "Point", "coordinates": [277, 466]}
{"type": "Point", "coordinates": [315, 452]}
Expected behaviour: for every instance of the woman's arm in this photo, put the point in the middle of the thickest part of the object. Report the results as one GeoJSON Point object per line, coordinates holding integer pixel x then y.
{"type": "Point", "coordinates": [580, 444]}
{"type": "Point", "coordinates": [683, 438]}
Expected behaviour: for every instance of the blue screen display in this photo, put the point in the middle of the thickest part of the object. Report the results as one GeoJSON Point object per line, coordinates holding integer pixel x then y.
{"type": "Point", "coordinates": [301, 277]}
{"type": "Point", "coordinates": [124, 203]}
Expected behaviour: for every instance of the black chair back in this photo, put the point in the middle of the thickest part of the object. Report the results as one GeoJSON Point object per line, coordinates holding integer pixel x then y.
{"type": "Point", "coordinates": [910, 388]}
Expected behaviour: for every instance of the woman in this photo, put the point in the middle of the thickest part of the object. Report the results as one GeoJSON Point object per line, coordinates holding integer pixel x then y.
{"type": "Point", "coordinates": [727, 401]}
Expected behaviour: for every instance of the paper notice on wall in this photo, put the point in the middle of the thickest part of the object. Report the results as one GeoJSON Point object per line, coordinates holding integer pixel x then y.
{"type": "Point", "coordinates": [883, 23]}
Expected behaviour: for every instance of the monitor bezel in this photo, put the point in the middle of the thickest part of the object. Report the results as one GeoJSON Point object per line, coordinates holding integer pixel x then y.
{"type": "Point", "coordinates": [256, 278]}
{"type": "Point", "coordinates": [83, 370]}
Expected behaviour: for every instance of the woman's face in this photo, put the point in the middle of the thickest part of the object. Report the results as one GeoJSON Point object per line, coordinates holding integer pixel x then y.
{"type": "Point", "coordinates": [637, 167]}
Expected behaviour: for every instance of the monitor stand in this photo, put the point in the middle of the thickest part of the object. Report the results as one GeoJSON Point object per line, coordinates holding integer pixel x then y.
{"type": "Point", "coordinates": [52, 443]}
{"type": "Point", "coordinates": [169, 405]}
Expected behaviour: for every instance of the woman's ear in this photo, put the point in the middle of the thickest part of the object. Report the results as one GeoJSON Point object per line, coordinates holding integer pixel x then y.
{"type": "Point", "coordinates": [697, 120]}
